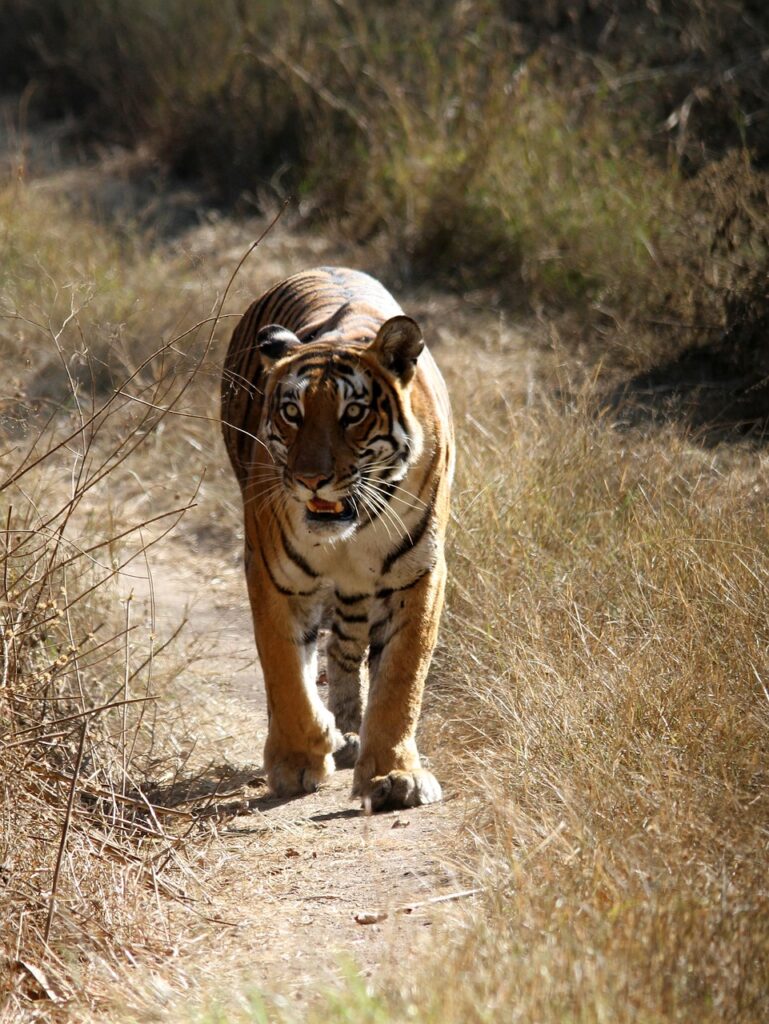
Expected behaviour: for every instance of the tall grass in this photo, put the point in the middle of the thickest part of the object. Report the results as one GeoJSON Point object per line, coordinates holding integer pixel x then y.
{"type": "Point", "coordinates": [600, 701]}
{"type": "Point", "coordinates": [600, 697]}
{"type": "Point", "coordinates": [608, 694]}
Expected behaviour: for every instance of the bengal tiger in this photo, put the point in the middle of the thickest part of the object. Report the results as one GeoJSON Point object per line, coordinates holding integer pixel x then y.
{"type": "Point", "coordinates": [337, 423]}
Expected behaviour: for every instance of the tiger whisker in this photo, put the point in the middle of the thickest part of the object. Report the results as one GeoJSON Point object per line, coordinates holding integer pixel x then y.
{"type": "Point", "coordinates": [375, 511]}
{"type": "Point", "coordinates": [385, 510]}
{"type": "Point", "coordinates": [264, 495]}
{"type": "Point", "coordinates": [409, 494]}
{"type": "Point", "coordinates": [419, 508]}
{"type": "Point", "coordinates": [382, 490]}
{"type": "Point", "coordinates": [368, 475]}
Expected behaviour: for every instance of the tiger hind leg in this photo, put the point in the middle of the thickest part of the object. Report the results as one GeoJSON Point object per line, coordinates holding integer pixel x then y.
{"type": "Point", "coordinates": [347, 680]}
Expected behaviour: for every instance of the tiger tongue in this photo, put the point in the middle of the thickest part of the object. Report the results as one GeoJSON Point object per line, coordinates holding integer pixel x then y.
{"type": "Point", "coordinates": [319, 505]}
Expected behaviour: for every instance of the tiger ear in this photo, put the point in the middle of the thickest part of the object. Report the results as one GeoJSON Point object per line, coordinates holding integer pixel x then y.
{"type": "Point", "coordinates": [274, 341]}
{"type": "Point", "coordinates": [397, 346]}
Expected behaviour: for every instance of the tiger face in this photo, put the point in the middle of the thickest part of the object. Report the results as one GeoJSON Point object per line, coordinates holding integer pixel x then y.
{"type": "Point", "coordinates": [338, 425]}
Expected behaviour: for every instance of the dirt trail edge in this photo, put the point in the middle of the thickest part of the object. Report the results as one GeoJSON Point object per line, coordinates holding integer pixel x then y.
{"type": "Point", "coordinates": [305, 885]}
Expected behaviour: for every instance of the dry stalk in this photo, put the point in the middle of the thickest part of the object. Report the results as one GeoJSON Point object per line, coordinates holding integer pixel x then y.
{"type": "Point", "coordinates": [65, 829]}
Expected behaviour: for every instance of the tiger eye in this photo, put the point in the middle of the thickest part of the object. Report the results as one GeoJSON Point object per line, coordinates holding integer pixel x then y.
{"type": "Point", "coordinates": [291, 412]}
{"type": "Point", "coordinates": [353, 413]}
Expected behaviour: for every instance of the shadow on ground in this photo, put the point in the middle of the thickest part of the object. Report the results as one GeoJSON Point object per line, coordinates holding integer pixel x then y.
{"type": "Point", "coordinates": [719, 391]}
{"type": "Point", "coordinates": [220, 791]}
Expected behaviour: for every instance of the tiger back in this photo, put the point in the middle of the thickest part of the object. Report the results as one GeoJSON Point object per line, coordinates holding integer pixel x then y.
{"type": "Point", "coordinates": [337, 424]}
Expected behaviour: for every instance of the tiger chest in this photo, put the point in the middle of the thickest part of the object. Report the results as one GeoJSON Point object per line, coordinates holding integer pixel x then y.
{"type": "Point", "coordinates": [362, 565]}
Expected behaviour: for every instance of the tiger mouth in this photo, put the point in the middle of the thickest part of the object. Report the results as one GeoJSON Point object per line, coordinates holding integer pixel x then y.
{"type": "Point", "coordinates": [330, 511]}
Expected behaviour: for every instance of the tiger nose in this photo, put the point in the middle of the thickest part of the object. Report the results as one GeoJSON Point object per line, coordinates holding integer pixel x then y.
{"type": "Point", "coordinates": [313, 483]}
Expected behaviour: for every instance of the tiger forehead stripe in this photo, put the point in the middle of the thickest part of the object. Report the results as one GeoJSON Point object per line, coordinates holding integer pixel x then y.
{"type": "Point", "coordinates": [359, 388]}
{"type": "Point", "coordinates": [346, 369]}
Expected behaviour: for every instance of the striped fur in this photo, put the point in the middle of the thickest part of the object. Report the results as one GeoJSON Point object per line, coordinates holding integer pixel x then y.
{"type": "Point", "coordinates": [337, 424]}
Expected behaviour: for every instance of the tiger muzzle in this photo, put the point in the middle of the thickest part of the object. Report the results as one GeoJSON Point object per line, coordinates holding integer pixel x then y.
{"type": "Point", "coordinates": [320, 510]}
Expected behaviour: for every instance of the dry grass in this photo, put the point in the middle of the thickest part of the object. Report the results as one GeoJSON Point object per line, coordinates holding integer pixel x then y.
{"type": "Point", "coordinates": [608, 694]}
{"type": "Point", "coordinates": [91, 860]}
{"type": "Point", "coordinates": [82, 847]}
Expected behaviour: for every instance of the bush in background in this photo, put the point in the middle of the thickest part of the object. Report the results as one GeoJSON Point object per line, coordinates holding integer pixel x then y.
{"type": "Point", "coordinates": [540, 149]}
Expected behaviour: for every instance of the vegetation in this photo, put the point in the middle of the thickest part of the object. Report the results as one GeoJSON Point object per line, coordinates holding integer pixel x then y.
{"type": "Point", "coordinates": [561, 152]}
{"type": "Point", "coordinates": [603, 700]}
{"type": "Point", "coordinates": [83, 878]}
{"type": "Point", "coordinates": [596, 171]}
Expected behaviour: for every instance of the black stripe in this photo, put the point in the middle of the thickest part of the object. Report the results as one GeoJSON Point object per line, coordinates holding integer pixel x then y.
{"type": "Point", "coordinates": [302, 367]}
{"type": "Point", "coordinates": [378, 628]}
{"type": "Point", "coordinates": [379, 400]}
{"type": "Point", "coordinates": [341, 635]}
{"type": "Point", "coordinates": [295, 557]}
{"type": "Point", "coordinates": [310, 635]}
{"type": "Point", "coordinates": [288, 306]}
{"type": "Point", "coordinates": [348, 664]}
{"type": "Point", "coordinates": [395, 397]}
{"type": "Point", "coordinates": [345, 369]}
{"type": "Point", "coordinates": [374, 654]}
{"type": "Point", "coordinates": [351, 618]}
{"type": "Point", "coordinates": [251, 372]}
{"type": "Point", "coordinates": [384, 641]}
{"type": "Point", "coordinates": [351, 599]}
{"type": "Point", "coordinates": [351, 391]}
{"type": "Point", "coordinates": [410, 541]}
{"type": "Point", "coordinates": [378, 647]}
{"type": "Point", "coordinates": [387, 438]}
{"type": "Point", "coordinates": [269, 304]}
{"type": "Point", "coordinates": [386, 592]}
{"type": "Point", "coordinates": [331, 323]}
{"type": "Point", "coordinates": [290, 309]}
{"type": "Point", "coordinates": [278, 587]}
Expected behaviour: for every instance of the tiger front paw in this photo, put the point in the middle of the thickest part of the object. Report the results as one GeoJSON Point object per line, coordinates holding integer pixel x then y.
{"type": "Point", "coordinates": [301, 763]}
{"type": "Point", "coordinates": [400, 789]}
{"type": "Point", "coordinates": [294, 774]}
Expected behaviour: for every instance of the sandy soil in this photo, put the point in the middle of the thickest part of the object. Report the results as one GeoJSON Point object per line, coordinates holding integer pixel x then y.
{"type": "Point", "coordinates": [292, 889]}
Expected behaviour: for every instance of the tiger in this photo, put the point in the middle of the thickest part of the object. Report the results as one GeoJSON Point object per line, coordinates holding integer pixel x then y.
{"type": "Point", "coordinates": [338, 427]}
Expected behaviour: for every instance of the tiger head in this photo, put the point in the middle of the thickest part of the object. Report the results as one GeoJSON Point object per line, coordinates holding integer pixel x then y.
{"type": "Point", "coordinates": [338, 423]}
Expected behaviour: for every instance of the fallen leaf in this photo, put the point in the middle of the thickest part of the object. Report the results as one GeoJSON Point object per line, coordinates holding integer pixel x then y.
{"type": "Point", "coordinates": [40, 977]}
{"type": "Point", "coordinates": [370, 916]}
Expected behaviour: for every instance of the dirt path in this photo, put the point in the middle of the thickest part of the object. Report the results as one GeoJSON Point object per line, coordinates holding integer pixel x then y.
{"type": "Point", "coordinates": [295, 880]}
